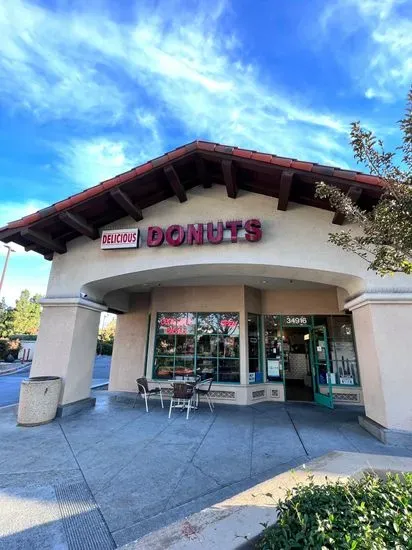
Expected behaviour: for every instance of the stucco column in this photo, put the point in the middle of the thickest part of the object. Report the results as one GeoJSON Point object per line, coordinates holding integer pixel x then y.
{"type": "Point", "coordinates": [382, 325]}
{"type": "Point", "coordinates": [66, 347]}
{"type": "Point", "coordinates": [130, 341]}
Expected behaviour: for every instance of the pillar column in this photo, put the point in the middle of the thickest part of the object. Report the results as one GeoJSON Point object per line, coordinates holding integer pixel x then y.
{"type": "Point", "coordinates": [66, 347]}
{"type": "Point", "coordinates": [130, 343]}
{"type": "Point", "coordinates": [382, 324]}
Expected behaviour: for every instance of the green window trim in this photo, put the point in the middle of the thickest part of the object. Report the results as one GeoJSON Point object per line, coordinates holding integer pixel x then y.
{"type": "Point", "coordinates": [254, 349]}
{"type": "Point", "coordinates": [309, 321]}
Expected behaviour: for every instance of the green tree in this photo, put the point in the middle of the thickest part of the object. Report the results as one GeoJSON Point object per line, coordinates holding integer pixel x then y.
{"type": "Point", "coordinates": [27, 314]}
{"type": "Point", "coordinates": [6, 320]}
{"type": "Point", "coordinates": [383, 237]}
{"type": "Point", "coordinates": [106, 337]}
{"type": "Point", "coordinates": [107, 333]}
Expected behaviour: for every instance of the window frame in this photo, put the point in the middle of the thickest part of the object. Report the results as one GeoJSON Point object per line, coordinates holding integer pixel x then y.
{"type": "Point", "coordinates": [215, 358]}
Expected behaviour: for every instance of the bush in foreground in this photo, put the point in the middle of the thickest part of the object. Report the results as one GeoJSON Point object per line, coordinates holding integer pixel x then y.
{"type": "Point", "coordinates": [369, 514]}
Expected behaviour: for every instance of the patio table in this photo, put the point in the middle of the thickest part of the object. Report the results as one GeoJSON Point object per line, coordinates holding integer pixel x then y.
{"type": "Point", "coordinates": [192, 381]}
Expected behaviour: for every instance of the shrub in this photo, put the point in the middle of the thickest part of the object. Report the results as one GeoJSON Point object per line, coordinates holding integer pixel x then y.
{"type": "Point", "coordinates": [13, 347]}
{"type": "Point", "coordinates": [9, 347]}
{"type": "Point", "coordinates": [104, 348]}
{"type": "Point", "coordinates": [369, 514]}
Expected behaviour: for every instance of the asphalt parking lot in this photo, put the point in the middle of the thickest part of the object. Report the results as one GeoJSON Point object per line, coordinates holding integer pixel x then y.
{"type": "Point", "coordinates": [10, 384]}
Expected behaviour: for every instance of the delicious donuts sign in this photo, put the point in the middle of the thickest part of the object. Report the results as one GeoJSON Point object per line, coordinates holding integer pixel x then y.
{"type": "Point", "coordinates": [190, 234]}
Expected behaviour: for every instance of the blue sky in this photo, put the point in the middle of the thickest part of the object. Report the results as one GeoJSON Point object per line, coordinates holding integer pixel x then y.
{"type": "Point", "coordinates": [90, 89]}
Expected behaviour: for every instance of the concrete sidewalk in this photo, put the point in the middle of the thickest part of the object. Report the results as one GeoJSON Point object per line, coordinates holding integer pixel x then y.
{"type": "Point", "coordinates": [237, 522]}
{"type": "Point", "coordinates": [111, 475]}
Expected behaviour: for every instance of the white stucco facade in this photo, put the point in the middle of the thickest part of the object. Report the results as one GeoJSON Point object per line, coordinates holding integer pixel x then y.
{"type": "Point", "coordinates": [292, 270]}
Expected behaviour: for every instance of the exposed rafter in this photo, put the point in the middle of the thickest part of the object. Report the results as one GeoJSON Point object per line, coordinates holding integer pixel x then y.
{"type": "Point", "coordinates": [43, 240]}
{"type": "Point", "coordinates": [229, 176]}
{"type": "Point", "coordinates": [285, 188]}
{"type": "Point", "coordinates": [353, 194]}
{"type": "Point", "coordinates": [202, 173]}
{"type": "Point", "coordinates": [175, 183]}
{"type": "Point", "coordinates": [126, 204]}
{"type": "Point", "coordinates": [79, 224]}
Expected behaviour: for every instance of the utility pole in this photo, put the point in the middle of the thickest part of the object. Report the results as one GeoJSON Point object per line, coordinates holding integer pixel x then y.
{"type": "Point", "coordinates": [9, 250]}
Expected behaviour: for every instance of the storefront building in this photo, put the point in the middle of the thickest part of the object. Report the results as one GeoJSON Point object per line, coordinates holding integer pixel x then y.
{"type": "Point", "coordinates": [217, 262]}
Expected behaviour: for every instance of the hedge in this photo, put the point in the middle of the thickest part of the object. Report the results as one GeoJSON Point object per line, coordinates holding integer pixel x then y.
{"type": "Point", "coordinates": [26, 337]}
{"type": "Point", "coordinates": [104, 348]}
{"type": "Point", "coordinates": [369, 514]}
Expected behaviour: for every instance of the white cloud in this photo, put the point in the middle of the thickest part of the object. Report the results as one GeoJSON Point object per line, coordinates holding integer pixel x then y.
{"type": "Point", "coordinates": [381, 61]}
{"type": "Point", "coordinates": [86, 67]}
{"type": "Point", "coordinates": [87, 162]}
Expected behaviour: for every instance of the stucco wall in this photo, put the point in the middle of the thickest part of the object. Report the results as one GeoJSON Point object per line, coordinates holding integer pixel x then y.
{"type": "Point", "coordinates": [197, 298]}
{"type": "Point", "coordinates": [382, 332]}
{"type": "Point", "coordinates": [129, 350]}
{"type": "Point", "coordinates": [305, 302]}
{"type": "Point", "coordinates": [66, 347]}
{"type": "Point", "coordinates": [294, 246]}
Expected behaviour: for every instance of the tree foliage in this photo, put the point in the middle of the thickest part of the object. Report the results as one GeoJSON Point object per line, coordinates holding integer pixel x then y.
{"type": "Point", "coordinates": [106, 337]}
{"type": "Point", "coordinates": [6, 320]}
{"type": "Point", "coordinates": [385, 237]}
{"type": "Point", "coordinates": [26, 315]}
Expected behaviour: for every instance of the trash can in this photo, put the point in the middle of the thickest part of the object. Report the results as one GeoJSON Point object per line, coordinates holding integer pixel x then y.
{"type": "Point", "coordinates": [39, 397]}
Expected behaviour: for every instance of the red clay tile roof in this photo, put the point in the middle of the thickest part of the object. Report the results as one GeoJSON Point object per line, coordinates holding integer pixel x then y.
{"type": "Point", "coordinates": [200, 146]}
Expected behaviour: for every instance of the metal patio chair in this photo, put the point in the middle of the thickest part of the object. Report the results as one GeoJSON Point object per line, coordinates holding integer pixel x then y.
{"type": "Point", "coordinates": [203, 388]}
{"type": "Point", "coordinates": [144, 391]}
{"type": "Point", "coordinates": [182, 397]}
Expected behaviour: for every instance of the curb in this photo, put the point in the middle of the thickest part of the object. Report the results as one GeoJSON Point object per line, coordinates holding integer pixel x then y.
{"type": "Point", "coordinates": [238, 522]}
{"type": "Point", "coordinates": [8, 406]}
{"type": "Point", "coordinates": [96, 386]}
{"type": "Point", "coordinates": [15, 370]}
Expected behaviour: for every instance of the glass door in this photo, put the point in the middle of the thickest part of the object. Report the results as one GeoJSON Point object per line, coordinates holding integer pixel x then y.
{"type": "Point", "coordinates": [320, 365]}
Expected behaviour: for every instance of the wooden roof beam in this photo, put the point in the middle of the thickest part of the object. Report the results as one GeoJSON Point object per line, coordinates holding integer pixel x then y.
{"type": "Point", "coordinates": [126, 204]}
{"type": "Point", "coordinates": [202, 173]}
{"type": "Point", "coordinates": [43, 240]}
{"type": "Point", "coordinates": [229, 176]}
{"type": "Point", "coordinates": [353, 194]}
{"type": "Point", "coordinates": [285, 188]}
{"type": "Point", "coordinates": [79, 224]}
{"type": "Point", "coordinates": [175, 183]}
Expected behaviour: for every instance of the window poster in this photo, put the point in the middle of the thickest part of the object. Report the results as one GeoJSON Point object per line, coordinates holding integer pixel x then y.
{"type": "Point", "coordinates": [331, 377]}
{"type": "Point", "coordinates": [273, 367]}
{"type": "Point", "coordinates": [346, 380]}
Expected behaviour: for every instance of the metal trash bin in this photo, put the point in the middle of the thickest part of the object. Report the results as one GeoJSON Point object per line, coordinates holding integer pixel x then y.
{"type": "Point", "coordinates": [39, 397]}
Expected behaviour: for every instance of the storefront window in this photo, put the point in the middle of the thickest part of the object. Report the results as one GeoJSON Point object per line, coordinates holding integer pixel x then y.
{"type": "Point", "coordinates": [344, 365]}
{"type": "Point", "coordinates": [255, 374]}
{"type": "Point", "coordinates": [273, 348]}
{"type": "Point", "coordinates": [205, 344]}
